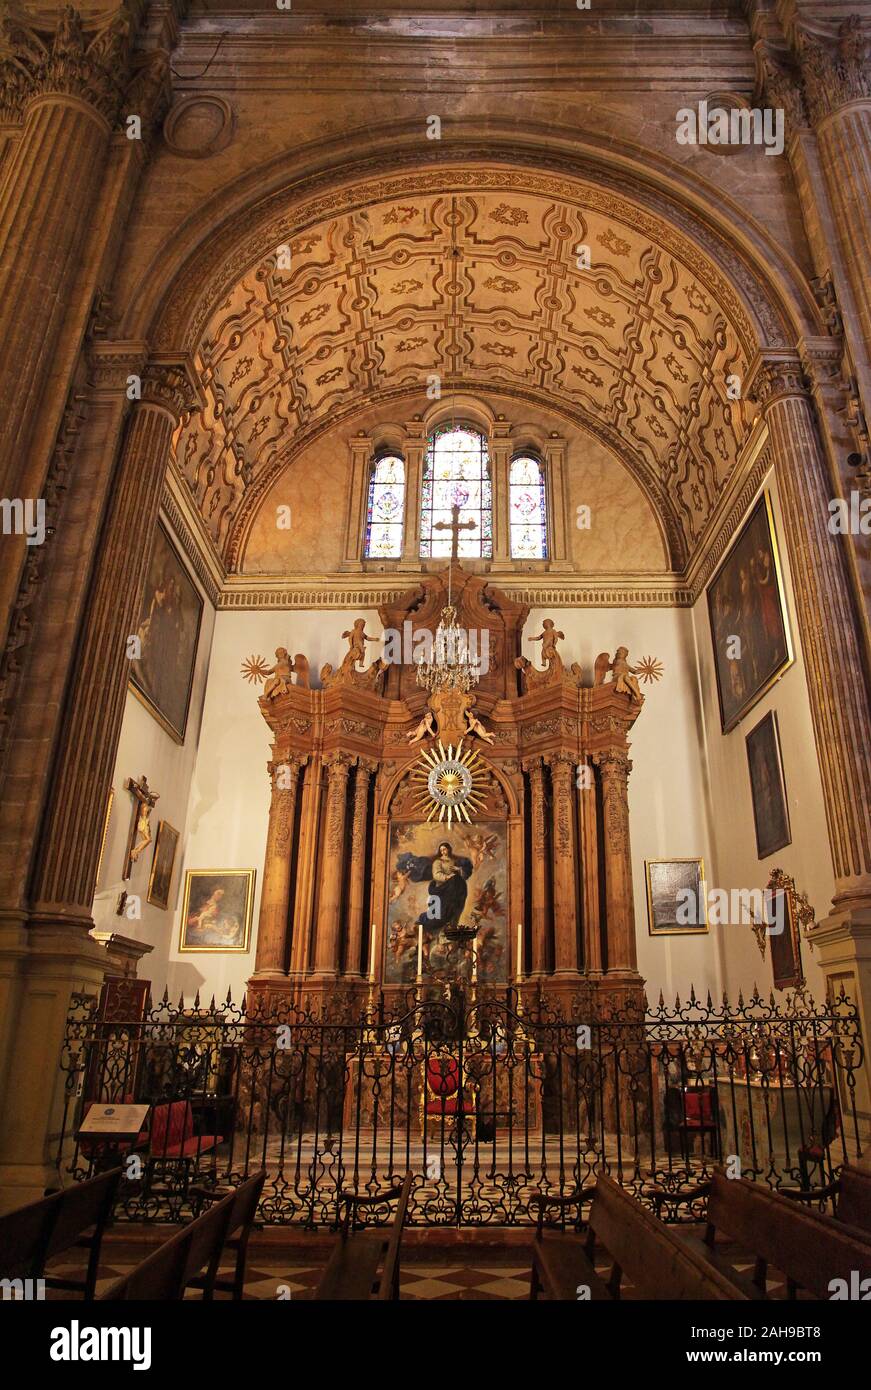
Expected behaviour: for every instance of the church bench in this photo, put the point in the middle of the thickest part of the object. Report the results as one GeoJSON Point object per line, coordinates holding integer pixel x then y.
{"type": "Point", "coordinates": [73, 1219]}
{"type": "Point", "coordinates": [809, 1248]}
{"type": "Point", "coordinates": [639, 1247]}
{"type": "Point", "coordinates": [364, 1262]}
{"type": "Point", "coordinates": [177, 1264]}
{"type": "Point", "coordinates": [246, 1198]}
{"type": "Point", "coordinates": [851, 1193]}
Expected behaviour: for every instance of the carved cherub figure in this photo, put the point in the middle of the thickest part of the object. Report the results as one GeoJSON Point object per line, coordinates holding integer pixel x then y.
{"type": "Point", "coordinates": [301, 670]}
{"type": "Point", "coordinates": [474, 726]}
{"type": "Point", "coordinates": [280, 675]}
{"type": "Point", "coordinates": [357, 639]}
{"type": "Point", "coordinates": [425, 729]}
{"type": "Point", "coordinates": [624, 676]}
{"type": "Point", "coordinates": [548, 639]}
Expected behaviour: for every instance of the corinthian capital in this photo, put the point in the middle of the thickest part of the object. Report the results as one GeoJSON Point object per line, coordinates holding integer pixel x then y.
{"type": "Point", "coordinates": [775, 375]}
{"type": "Point", "coordinates": [37, 60]}
{"type": "Point", "coordinates": [172, 383]}
{"type": "Point", "coordinates": [778, 83]}
{"type": "Point", "coordinates": [834, 69]}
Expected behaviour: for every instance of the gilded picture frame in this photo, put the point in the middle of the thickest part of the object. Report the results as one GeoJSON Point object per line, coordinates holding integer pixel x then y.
{"type": "Point", "coordinates": [768, 787]}
{"type": "Point", "coordinates": [664, 878]}
{"type": "Point", "coordinates": [216, 911]}
{"type": "Point", "coordinates": [747, 601]}
{"type": "Point", "coordinates": [110, 797]}
{"type": "Point", "coordinates": [162, 864]}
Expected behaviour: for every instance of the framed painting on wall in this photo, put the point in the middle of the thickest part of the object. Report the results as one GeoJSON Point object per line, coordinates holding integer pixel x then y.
{"type": "Point", "coordinates": [785, 944]}
{"type": "Point", "coordinates": [168, 631]}
{"type": "Point", "coordinates": [216, 911]}
{"type": "Point", "coordinates": [162, 864]}
{"type": "Point", "coordinates": [676, 897]}
{"type": "Point", "coordinates": [442, 879]}
{"type": "Point", "coordinates": [768, 788]}
{"type": "Point", "coordinates": [747, 611]}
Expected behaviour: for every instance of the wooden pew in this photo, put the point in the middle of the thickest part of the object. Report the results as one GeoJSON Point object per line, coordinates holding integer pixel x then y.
{"type": "Point", "coordinates": [851, 1193]}
{"type": "Point", "coordinates": [366, 1261]}
{"type": "Point", "coordinates": [76, 1217]}
{"type": "Point", "coordinates": [809, 1248]}
{"type": "Point", "coordinates": [244, 1209]}
{"type": "Point", "coordinates": [639, 1247]}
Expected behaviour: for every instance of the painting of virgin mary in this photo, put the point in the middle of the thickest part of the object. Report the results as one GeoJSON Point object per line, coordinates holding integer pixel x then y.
{"type": "Point", "coordinates": [447, 888]}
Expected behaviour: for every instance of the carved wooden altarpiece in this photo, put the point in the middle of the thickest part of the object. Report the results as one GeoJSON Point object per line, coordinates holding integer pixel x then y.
{"type": "Point", "coordinates": [555, 785]}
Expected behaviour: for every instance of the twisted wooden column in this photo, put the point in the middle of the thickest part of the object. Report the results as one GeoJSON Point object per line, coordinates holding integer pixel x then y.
{"type": "Point", "coordinates": [277, 869]}
{"type": "Point", "coordinates": [538, 867]}
{"type": "Point", "coordinates": [614, 768]}
{"type": "Point", "coordinates": [357, 888]}
{"type": "Point", "coordinates": [827, 622]}
{"type": "Point", "coordinates": [72, 826]}
{"type": "Point", "coordinates": [565, 918]}
{"type": "Point", "coordinates": [326, 954]}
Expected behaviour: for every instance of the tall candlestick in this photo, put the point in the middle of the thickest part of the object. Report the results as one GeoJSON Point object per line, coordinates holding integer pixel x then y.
{"type": "Point", "coordinates": [419, 951]}
{"type": "Point", "coordinates": [372, 956]}
{"type": "Point", "coordinates": [519, 950]}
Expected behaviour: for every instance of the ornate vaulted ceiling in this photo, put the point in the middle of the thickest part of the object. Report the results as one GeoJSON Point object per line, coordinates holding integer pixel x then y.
{"type": "Point", "coordinates": [481, 288]}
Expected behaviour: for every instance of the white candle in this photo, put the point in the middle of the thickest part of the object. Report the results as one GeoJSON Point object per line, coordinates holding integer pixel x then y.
{"type": "Point", "coordinates": [420, 950]}
{"type": "Point", "coordinates": [372, 957]}
{"type": "Point", "coordinates": [474, 965]}
{"type": "Point", "coordinates": [519, 949]}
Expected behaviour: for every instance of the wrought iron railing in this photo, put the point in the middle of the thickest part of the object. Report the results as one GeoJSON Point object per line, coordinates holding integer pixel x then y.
{"type": "Point", "coordinates": [485, 1101]}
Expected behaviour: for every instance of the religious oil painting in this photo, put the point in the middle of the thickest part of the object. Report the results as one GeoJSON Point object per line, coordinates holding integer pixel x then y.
{"type": "Point", "coordinates": [162, 864]}
{"type": "Point", "coordinates": [749, 626]}
{"type": "Point", "coordinates": [785, 945]}
{"type": "Point", "coordinates": [440, 879]}
{"type": "Point", "coordinates": [216, 914]}
{"type": "Point", "coordinates": [169, 626]}
{"type": "Point", "coordinates": [676, 897]}
{"type": "Point", "coordinates": [770, 813]}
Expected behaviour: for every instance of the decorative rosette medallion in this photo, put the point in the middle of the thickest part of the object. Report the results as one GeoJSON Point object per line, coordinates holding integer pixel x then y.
{"type": "Point", "coordinates": [446, 779]}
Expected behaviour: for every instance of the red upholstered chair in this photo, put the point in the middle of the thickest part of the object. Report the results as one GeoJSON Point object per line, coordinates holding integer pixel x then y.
{"type": "Point", "coordinates": [173, 1142]}
{"type": "Point", "coordinates": [445, 1092]}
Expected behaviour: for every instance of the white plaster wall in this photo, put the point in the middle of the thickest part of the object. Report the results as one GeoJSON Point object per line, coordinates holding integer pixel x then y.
{"type": "Point", "coordinates": [735, 860]}
{"type": "Point", "coordinates": [145, 747]}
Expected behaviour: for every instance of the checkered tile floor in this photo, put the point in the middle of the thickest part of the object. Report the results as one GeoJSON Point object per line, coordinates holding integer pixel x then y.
{"type": "Point", "coordinates": [274, 1278]}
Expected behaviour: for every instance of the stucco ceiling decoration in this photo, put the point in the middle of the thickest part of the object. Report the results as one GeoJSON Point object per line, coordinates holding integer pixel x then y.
{"type": "Point", "coordinates": [476, 285]}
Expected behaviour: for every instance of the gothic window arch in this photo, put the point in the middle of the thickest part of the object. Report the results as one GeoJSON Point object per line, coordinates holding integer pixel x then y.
{"type": "Point", "coordinates": [456, 472]}
{"type": "Point", "coordinates": [527, 507]}
{"type": "Point", "coordinates": [385, 508]}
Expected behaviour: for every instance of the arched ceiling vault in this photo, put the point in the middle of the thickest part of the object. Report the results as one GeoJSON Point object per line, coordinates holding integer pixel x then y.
{"type": "Point", "coordinates": [473, 275]}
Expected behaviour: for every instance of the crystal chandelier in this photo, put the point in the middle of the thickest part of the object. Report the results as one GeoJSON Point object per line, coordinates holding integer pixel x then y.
{"type": "Point", "coordinates": [451, 666]}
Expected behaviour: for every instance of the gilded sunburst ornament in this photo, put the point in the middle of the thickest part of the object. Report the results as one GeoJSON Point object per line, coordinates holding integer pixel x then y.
{"type": "Point", "coordinates": [649, 668]}
{"type": "Point", "coordinates": [446, 783]}
{"type": "Point", "coordinates": [255, 669]}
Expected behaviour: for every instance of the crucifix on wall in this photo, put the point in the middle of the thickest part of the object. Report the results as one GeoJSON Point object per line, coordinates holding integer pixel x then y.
{"type": "Point", "coordinates": [455, 526]}
{"type": "Point", "coordinates": [140, 836]}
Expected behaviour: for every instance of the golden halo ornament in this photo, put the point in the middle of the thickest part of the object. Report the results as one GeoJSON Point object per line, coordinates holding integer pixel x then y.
{"type": "Point", "coordinates": [446, 783]}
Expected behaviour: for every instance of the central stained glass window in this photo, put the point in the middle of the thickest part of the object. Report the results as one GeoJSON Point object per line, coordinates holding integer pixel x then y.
{"type": "Point", "coordinates": [456, 473]}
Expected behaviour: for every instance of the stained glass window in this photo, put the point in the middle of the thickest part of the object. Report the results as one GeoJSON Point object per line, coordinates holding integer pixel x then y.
{"type": "Point", "coordinates": [386, 509]}
{"type": "Point", "coordinates": [456, 473]}
{"type": "Point", "coordinates": [527, 506]}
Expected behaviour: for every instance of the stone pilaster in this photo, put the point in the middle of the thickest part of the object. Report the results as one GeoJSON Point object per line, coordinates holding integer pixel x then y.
{"type": "Point", "coordinates": [538, 867]}
{"type": "Point", "coordinates": [277, 870]}
{"type": "Point", "coordinates": [326, 952]}
{"type": "Point", "coordinates": [614, 768]}
{"type": "Point", "coordinates": [357, 885]}
{"type": "Point", "coordinates": [64, 881]}
{"type": "Point", "coordinates": [565, 919]}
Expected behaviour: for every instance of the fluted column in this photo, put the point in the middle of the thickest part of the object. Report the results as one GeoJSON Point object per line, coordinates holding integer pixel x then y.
{"type": "Point", "coordinates": [827, 623]}
{"type": "Point", "coordinates": [836, 76]}
{"type": "Point", "coordinates": [614, 768]}
{"type": "Point", "coordinates": [538, 867]}
{"type": "Point", "coordinates": [64, 880]}
{"type": "Point", "coordinates": [565, 918]}
{"type": "Point", "coordinates": [357, 887]}
{"type": "Point", "coordinates": [326, 954]}
{"type": "Point", "coordinates": [277, 869]}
